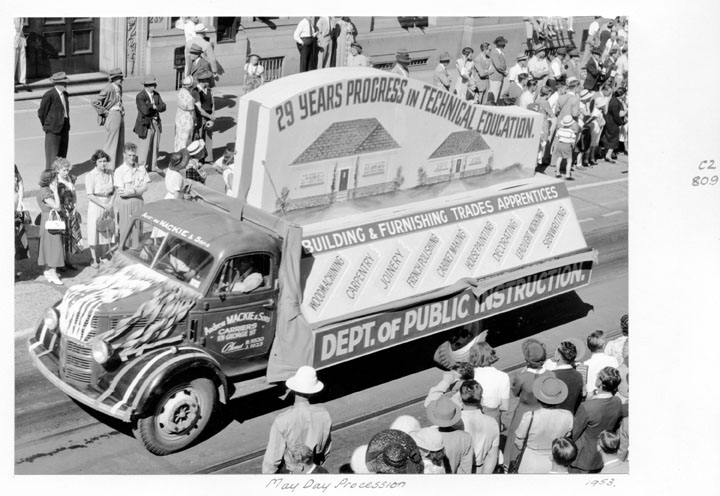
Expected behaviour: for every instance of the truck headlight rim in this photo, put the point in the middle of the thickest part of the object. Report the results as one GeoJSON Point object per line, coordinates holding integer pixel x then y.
{"type": "Point", "coordinates": [101, 351]}
{"type": "Point", "coordinates": [51, 319]}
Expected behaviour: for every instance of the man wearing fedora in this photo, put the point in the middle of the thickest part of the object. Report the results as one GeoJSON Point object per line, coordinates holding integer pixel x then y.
{"type": "Point", "coordinates": [109, 106]}
{"type": "Point", "coordinates": [594, 70]}
{"type": "Point", "coordinates": [402, 61]}
{"type": "Point", "coordinates": [441, 78]}
{"type": "Point", "coordinates": [54, 115]}
{"type": "Point", "coordinates": [303, 423]}
{"type": "Point", "coordinates": [148, 126]}
{"type": "Point", "coordinates": [206, 49]}
{"type": "Point", "coordinates": [197, 63]}
{"type": "Point", "coordinates": [497, 58]}
{"type": "Point", "coordinates": [445, 414]}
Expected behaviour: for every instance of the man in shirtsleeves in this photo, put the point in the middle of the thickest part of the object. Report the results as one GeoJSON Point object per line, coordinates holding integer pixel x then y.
{"type": "Point", "coordinates": [109, 106]}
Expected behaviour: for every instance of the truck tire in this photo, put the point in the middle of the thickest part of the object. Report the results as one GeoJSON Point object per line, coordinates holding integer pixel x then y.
{"type": "Point", "coordinates": [179, 416]}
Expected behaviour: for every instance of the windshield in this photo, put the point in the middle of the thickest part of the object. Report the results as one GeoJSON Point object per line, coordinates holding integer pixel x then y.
{"type": "Point", "coordinates": [169, 254]}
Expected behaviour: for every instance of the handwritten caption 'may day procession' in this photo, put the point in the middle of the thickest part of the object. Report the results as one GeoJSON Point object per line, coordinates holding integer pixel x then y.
{"type": "Point", "coordinates": [389, 89]}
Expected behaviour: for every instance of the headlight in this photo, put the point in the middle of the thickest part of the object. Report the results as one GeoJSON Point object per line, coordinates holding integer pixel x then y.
{"type": "Point", "coordinates": [101, 351]}
{"type": "Point", "coordinates": [51, 318]}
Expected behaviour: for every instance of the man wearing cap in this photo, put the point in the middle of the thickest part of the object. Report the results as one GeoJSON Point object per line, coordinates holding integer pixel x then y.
{"type": "Point", "coordinates": [538, 66]}
{"type": "Point", "coordinates": [206, 49]}
{"type": "Point", "coordinates": [483, 68]}
{"type": "Point", "coordinates": [54, 115]}
{"type": "Point", "coordinates": [402, 60]}
{"type": "Point", "coordinates": [109, 106]}
{"type": "Point", "coordinates": [441, 78]}
{"type": "Point", "coordinates": [497, 58]}
{"type": "Point", "coordinates": [306, 40]}
{"type": "Point", "coordinates": [594, 72]}
{"type": "Point", "coordinates": [148, 126]}
{"type": "Point", "coordinates": [302, 423]}
{"type": "Point", "coordinates": [445, 414]}
{"type": "Point", "coordinates": [204, 112]}
{"type": "Point", "coordinates": [197, 62]}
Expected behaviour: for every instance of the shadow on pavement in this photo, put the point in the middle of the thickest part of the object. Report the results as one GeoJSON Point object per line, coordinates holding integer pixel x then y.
{"type": "Point", "coordinates": [222, 124]}
{"type": "Point", "coordinates": [228, 101]}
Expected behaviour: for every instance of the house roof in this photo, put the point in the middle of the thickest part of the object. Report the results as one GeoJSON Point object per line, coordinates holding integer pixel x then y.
{"type": "Point", "coordinates": [347, 138]}
{"type": "Point", "coordinates": [459, 143]}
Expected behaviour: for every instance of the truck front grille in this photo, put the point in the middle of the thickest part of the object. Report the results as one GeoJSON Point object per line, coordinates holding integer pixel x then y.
{"type": "Point", "coordinates": [76, 360]}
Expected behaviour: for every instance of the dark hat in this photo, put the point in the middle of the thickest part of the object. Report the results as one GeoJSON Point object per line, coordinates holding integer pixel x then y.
{"type": "Point", "coordinates": [444, 56]}
{"type": "Point", "coordinates": [402, 55]}
{"type": "Point", "coordinates": [178, 160]}
{"type": "Point", "coordinates": [596, 50]}
{"type": "Point", "coordinates": [229, 150]}
{"type": "Point", "coordinates": [195, 48]}
{"type": "Point", "coordinates": [115, 74]}
{"type": "Point", "coordinates": [561, 51]}
{"type": "Point", "coordinates": [574, 52]}
{"type": "Point", "coordinates": [356, 45]}
{"type": "Point", "coordinates": [393, 452]}
{"type": "Point", "coordinates": [533, 351]}
{"type": "Point", "coordinates": [522, 56]}
{"type": "Point", "coordinates": [443, 412]}
{"type": "Point", "coordinates": [550, 390]}
{"type": "Point", "coordinates": [624, 324]}
{"type": "Point", "coordinates": [58, 78]}
{"type": "Point", "coordinates": [203, 75]}
{"type": "Point", "coordinates": [150, 80]}
{"type": "Point", "coordinates": [500, 40]}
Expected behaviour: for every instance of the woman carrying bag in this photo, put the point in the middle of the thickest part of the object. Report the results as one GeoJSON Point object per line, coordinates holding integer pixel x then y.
{"type": "Point", "coordinates": [51, 251]}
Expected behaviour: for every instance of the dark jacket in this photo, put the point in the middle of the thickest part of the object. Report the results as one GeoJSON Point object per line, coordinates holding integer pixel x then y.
{"type": "Point", "coordinates": [593, 417]}
{"type": "Point", "coordinates": [592, 80]}
{"type": "Point", "coordinates": [146, 113]}
{"type": "Point", "coordinates": [575, 384]}
{"type": "Point", "coordinates": [51, 113]}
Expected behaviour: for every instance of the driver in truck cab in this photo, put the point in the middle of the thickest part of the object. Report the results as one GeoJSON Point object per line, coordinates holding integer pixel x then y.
{"type": "Point", "coordinates": [240, 276]}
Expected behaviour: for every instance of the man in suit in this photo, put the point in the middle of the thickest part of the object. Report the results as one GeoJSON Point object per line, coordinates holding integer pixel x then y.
{"type": "Point", "coordinates": [109, 106]}
{"type": "Point", "coordinates": [54, 114]}
{"type": "Point", "coordinates": [483, 68]}
{"type": "Point", "coordinates": [602, 412]}
{"type": "Point", "coordinates": [204, 112]}
{"type": "Point", "coordinates": [593, 78]}
{"type": "Point", "coordinates": [147, 125]}
{"type": "Point", "coordinates": [197, 62]}
{"type": "Point", "coordinates": [497, 58]}
{"type": "Point", "coordinates": [206, 49]}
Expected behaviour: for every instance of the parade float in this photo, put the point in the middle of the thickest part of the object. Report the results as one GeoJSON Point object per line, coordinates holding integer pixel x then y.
{"type": "Point", "coordinates": [373, 210]}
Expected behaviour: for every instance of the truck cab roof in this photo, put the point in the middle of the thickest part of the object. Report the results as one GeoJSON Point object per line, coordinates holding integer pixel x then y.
{"type": "Point", "coordinates": [213, 230]}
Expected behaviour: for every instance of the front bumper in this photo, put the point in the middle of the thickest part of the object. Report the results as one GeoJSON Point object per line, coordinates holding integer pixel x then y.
{"type": "Point", "coordinates": [43, 351]}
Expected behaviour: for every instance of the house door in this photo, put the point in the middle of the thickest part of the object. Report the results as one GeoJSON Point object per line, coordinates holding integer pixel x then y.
{"type": "Point", "coordinates": [458, 164]}
{"type": "Point", "coordinates": [69, 44]}
{"type": "Point", "coordinates": [344, 180]}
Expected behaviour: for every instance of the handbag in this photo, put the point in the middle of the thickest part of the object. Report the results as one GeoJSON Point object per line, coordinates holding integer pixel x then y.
{"type": "Point", "coordinates": [515, 464]}
{"type": "Point", "coordinates": [55, 224]}
{"type": "Point", "coordinates": [106, 222]}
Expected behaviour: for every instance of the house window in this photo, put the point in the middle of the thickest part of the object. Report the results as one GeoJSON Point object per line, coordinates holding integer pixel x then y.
{"type": "Point", "coordinates": [227, 28]}
{"type": "Point", "coordinates": [475, 159]}
{"type": "Point", "coordinates": [312, 178]}
{"type": "Point", "coordinates": [273, 67]}
{"type": "Point", "coordinates": [373, 169]}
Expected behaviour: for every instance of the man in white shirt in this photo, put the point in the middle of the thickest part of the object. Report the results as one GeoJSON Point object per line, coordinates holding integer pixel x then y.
{"type": "Point", "coordinates": [538, 66]}
{"type": "Point", "coordinates": [520, 67]}
{"type": "Point", "coordinates": [306, 41]}
{"type": "Point", "coordinates": [593, 39]}
{"type": "Point", "coordinates": [556, 65]}
{"type": "Point", "coordinates": [598, 360]}
{"type": "Point", "coordinates": [621, 67]}
{"type": "Point", "coordinates": [483, 428]}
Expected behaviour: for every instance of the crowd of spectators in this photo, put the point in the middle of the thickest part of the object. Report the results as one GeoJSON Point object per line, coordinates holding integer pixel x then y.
{"type": "Point", "coordinates": [571, 416]}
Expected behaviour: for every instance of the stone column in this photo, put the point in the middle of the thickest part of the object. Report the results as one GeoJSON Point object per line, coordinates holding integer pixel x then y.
{"type": "Point", "coordinates": [136, 34]}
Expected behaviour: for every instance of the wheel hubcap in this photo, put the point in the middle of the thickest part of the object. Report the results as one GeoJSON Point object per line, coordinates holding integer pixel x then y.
{"type": "Point", "coordinates": [180, 413]}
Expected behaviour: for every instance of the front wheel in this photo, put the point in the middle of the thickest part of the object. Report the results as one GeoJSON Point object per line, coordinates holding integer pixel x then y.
{"type": "Point", "coordinates": [179, 417]}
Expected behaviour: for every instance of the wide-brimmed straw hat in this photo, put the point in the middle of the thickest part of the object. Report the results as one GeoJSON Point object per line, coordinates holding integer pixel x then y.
{"type": "Point", "coordinates": [586, 95]}
{"type": "Point", "coordinates": [566, 121]}
{"type": "Point", "coordinates": [178, 160]}
{"type": "Point", "coordinates": [402, 55]}
{"type": "Point", "coordinates": [550, 390]}
{"type": "Point", "coordinates": [443, 412]}
{"type": "Point", "coordinates": [532, 349]}
{"type": "Point", "coordinates": [195, 147]}
{"type": "Point", "coordinates": [305, 381]}
{"type": "Point", "coordinates": [428, 438]}
{"type": "Point", "coordinates": [187, 81]}
{"type": "Point", "coordinates": [444, 56]}
{"type": "Point", "coordinates": [393, 452]}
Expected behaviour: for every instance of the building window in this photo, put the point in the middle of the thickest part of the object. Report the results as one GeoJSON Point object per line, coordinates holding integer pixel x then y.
{"type": "Point", "coordinates": [273, 67]}
{"type": "Point", "coordinates": [373, 169]}
{"type": "Point", "coordinates": [386, 66]}
{"type": "Point", "coordinates": [227, 28]}
{"type": "Point", "coordinates": [312, 178]}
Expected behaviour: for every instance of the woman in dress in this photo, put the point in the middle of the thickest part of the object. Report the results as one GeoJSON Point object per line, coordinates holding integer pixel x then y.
{"type": "Point", "coordinates": [68, 196]}
{"type": "Point", "coordinates": [100, 192]}
{"type": "Point", "coordinates": [495, 383]}
{"type": "Point", "coordinates": [542, 426]}
{"type": "Point", "coordinates": [185, 116]}
{"type": "Point", "coordinates": [345, 39]}
{"type": "Point", "coordinates": [51, 252]}
{"type": "Point", "coordinates": [614, 118]}
{"type": "Point", "coordinates": [522, 386]}
{"type": "Point", "coordinates": [21, 242]}
{"type": "Point", "coordinates": [465, 86]}
{"type": "Point", "coordinates": [253, 73]}
{"type": "Point", "coordinates": [174, 180]}
{"type": "Point", "coordinates": [356, 58]}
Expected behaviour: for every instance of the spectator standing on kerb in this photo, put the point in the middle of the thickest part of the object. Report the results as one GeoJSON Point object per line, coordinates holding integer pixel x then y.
{"type": "Point", "coordinates": [497, 58]}
{"type": "Point", "coordinates": [197, 61]}
{"type": "Point", "coordinates": [54, 115]}
{"type": "Point", "coordinates": [131, 181]}
{"type": "Point", "coordinates": [323, 27]}
{"type": "Point", "coordinates": [206, 48]}
{"type": "Point", "coordinates": [445, 414]}
{"type": "Point", "coordinates": [608, 445]}
{"type": "Point", "coordinates": [402, 61]}
{"type": "Point", "coordinates": [109, 106]}
{"type": "Point", "coordinates": [302, 423]}
{"type": "Point", "coordinates": [596, 344]}
{"type": "Point", "coordinates": [483, 428]}
{"type": "Point", "coordinates": [483, 68]}
{"type": "Point", "coordinates": [148, 126]}
{"type": "Point", "coordinates": [185, 114]}
{"type": "Point", "coordinates": [356, 57]}
{"type": "Point", "coordinates": [254, 73]}
{"type": "Point", "coordinates": [441, 78]}
{"type": "Point", "coordinates": [306, 41]}
{"type": "Point", "coordinates": [20, 54]}
{"type": "Point", "coordinates": [205, 113]}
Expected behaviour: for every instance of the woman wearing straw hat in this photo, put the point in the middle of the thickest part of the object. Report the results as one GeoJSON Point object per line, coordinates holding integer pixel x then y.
{"type": "Point", "coordinates": [194, 170]}
{"type": "Point", "coordinates": [402, 60]}
{"type": "Point", "coordinates": [393, 452]}
{"type": "Point", "coordinates": [540, 427]}
{"type": "Point", "coordinates": [185, 116]}
{"type": "Point", "coordinates": [302, 423]}
{"type": "Point", "coordinates": [430, 443]}
{"type": "Point", "coordinates": [445, 414]}
{"type": "Point", "coordinates": [174, 180]}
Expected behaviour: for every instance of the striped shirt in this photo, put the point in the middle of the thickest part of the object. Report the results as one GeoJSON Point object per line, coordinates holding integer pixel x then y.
{"type": "Point", "coordinates": [566, 135]}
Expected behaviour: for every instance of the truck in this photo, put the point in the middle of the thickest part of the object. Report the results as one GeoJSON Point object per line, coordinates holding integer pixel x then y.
{"type": "Point", "coordinates": [335, 244]}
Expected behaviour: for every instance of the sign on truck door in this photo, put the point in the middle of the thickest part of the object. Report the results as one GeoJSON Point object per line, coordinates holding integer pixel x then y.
{"type": "Point", "coordinates": [239, 310]}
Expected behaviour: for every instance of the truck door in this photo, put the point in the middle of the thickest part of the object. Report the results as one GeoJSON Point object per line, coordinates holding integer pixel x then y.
{"type": "Point", "coordinates": [238, 319]}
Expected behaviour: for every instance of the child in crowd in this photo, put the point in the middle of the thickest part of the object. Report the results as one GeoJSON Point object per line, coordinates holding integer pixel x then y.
{"type": "Point", "coordinates": [253, 73]}
{"type": "Point", "coordinates": [563, 145]}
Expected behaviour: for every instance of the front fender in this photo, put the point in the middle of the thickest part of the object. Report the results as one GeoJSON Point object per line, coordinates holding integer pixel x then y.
{"type": "Point", "coordinates": [135, 384]}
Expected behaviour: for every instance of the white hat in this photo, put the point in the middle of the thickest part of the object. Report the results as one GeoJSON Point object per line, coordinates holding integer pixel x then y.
{"type": "Point", "coordinates": [406, 423]}
{"type": "Point", "coordinates": [428, 438]}
{"type": "Point", "coordinates": [305, 381]}
{"type": "Point", "coordinates": [357, 460]}
{"type": "Point", "coordinates": [200, 28]}
{"type": "Point", "coordinates": [195, 147]}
